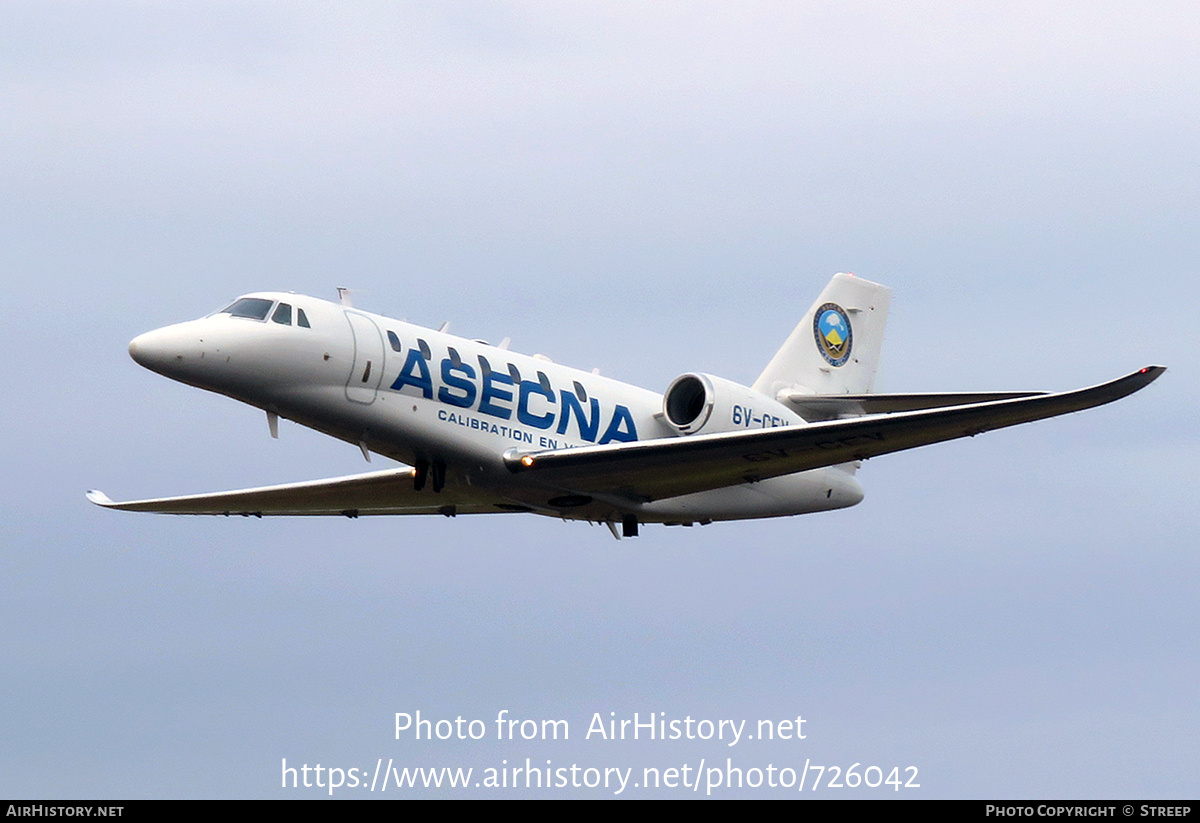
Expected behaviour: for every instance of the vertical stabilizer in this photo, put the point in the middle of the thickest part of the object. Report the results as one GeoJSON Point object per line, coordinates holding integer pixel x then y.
{"type": "Point", "coordinates": [835, 348]}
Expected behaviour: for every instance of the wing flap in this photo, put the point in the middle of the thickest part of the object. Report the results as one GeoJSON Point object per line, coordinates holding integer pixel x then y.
{"type": "Point", "coordinates": [656, 469]}
{"type": "Point", "coordinates": [383, 492]}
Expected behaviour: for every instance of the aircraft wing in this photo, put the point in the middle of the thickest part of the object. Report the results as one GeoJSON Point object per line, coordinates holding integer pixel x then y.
{"type": "Point", "coordinates": [382, 492]}
{"type": "Point", "coordinates": [655, 469]}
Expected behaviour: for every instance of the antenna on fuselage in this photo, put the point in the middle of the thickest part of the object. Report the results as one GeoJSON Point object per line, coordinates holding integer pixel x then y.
{"type": "Point", "coordinates": [344, 297]}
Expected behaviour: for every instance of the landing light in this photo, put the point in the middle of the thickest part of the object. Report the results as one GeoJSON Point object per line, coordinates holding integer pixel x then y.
{"type": "Point", "coordinates": [526, 461]}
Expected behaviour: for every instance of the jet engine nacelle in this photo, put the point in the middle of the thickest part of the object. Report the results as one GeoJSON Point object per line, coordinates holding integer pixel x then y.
{"type": "Point", "coordinates": [697, 403]}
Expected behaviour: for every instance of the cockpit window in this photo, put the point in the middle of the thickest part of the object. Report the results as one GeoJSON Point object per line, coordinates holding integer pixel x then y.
{"type": "Point", "coordinates": [255, 308]}
{"type": "Point", "coordinates": [302, 318]}
{"type": "Point", "coordinates": [283, 315]}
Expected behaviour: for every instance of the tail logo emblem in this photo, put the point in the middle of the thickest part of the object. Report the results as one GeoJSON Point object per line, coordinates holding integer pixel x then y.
{"type": "Point", "coordinates": [831, 328]}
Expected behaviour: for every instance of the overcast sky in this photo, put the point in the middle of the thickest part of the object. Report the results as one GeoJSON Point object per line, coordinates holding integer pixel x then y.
{"type": "Point", "coordinates": [649, 189]}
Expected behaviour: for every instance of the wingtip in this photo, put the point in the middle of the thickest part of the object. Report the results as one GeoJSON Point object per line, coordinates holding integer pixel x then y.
{"type": "Point", "coordinates": [1136, 381]}
{"type": "Point", "coordinates": [99, 498]}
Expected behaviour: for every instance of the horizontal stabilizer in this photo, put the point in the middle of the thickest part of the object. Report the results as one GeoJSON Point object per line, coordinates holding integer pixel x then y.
{"type": "Point", "coordinates": [814, 407]}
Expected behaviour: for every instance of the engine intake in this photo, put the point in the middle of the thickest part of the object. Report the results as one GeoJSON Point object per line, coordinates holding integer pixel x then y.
{"type": "Point", "coordinates": [702, 402]}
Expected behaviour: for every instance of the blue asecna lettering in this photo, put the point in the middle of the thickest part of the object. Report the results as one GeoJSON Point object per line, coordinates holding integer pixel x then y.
{"type": "Point", "coordinates": [486, 390]}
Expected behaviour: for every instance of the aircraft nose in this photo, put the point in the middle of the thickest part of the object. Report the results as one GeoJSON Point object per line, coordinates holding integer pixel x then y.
{"type": "Point", "coordinates": [164, 350]}
{"type": "Point", "coordinates": [149, 350]}
{"type": "Point", "coordinates": [142, 348]}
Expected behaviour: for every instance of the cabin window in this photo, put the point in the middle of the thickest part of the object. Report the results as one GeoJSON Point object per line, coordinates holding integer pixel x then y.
{"type": "Point", "coordinates": [394, 340]}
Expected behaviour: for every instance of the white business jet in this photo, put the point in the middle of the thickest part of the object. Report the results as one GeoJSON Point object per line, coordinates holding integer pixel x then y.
{"type": "Point", "coordinates": [485, 430]}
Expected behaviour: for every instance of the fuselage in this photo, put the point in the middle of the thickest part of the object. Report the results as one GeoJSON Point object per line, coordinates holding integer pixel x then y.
{"type": "Point", "coordinates": [425, 397]}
